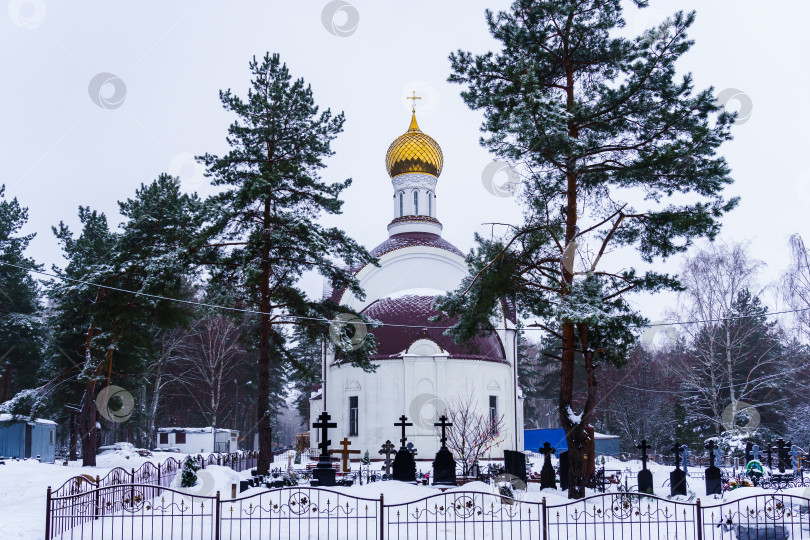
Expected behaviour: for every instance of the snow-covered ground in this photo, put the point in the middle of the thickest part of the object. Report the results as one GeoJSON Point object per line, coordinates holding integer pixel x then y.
{"type": "Point", "coordinates": [24, 485]}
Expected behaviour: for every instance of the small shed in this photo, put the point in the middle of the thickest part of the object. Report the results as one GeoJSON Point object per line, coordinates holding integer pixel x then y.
{"type": "Point", "coordinates": [198, 440]}
{"type": "Point", "coordinates": [21, 437]}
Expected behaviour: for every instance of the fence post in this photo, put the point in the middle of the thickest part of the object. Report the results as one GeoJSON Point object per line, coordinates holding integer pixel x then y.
{"type": "Point", "coordinates": [544, 522]}
{"type": "Point", "coordinates": [216, 519]}
{"type": "Point", "coordinates": [158, 480]}
{"type": "Point", "coordinates": [98, 487]}
{"type": "Point", "coordinates": [48, 515]}
{"type": "Point", "coordinates": [699, 519]}
{"type": "Point", "coordinates": [382, 517]}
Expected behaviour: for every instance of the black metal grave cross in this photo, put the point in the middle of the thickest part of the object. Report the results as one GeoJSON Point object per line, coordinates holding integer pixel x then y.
{"type": "Point", "coordinates": [324, 424]}
{"type": "Point", "coordinates": [677, 449]}
{"type": "Point", "coordinates": [547, 450]}
{"type": "Point", "coordinates": [412, 449]}
{"type": "Point", "coordinates": [643, 447]}
{"type": "Point", "coordinates": [444, 424]}
{"type": "Point", "coordinates": [403, 423]}
{"type": "Point", "coordinates": [386, 450]}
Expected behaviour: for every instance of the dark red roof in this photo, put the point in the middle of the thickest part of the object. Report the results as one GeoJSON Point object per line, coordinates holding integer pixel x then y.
{"type": "Point", "coordinates": [410, 239]}
{"type": "Point", "coordinates": [401, 241]}
{"type": "Point", "coordinates": [413, 313]}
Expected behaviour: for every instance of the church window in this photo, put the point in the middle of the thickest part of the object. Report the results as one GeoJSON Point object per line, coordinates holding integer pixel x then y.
{"type": "Point", "coordinates": [493, 411]}
{"type": "Point", "coordinates": [416, 203]}
{"type": "Point", "coordinates": [353, 413]}
{"type": "Point", "coordinates": [401, 204]}
{"type": "Point", "coordinates": [430, 204]}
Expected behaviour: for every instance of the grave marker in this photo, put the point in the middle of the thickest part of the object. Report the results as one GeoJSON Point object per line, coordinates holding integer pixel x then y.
{"type": "Point", "coordinates": [404, 464]}
{"type": "Point", "coordinates": [677, 478]}
{"type": "Point", "coordinates": [345, 453]}
{"type": "Point", "coordinates": [444, 466]}
{"type": "Point", "coordinates": [548, 479]}
{"type": "Point", "coordinates": [386, 450]}
{"type": "Point", "coordinates": [324, 472]}
{"type": "Point", "coordinates": [645, 477]}
{"type": "Point", "coordinates": [714, 479]}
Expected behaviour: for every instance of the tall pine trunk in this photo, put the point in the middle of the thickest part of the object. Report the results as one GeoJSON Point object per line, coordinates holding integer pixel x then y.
{"type": "Point", "coordinates": [87, 425]}
{"type": "Point", "coordinates": [265, 329]}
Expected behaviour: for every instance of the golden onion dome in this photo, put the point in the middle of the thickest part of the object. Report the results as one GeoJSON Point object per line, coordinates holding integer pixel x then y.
{"type": "Point", "coordinates": [414, 152]}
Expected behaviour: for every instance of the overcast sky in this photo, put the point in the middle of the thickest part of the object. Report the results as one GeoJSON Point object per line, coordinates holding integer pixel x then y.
{"type": "Point", "coordinates": [68, 139]}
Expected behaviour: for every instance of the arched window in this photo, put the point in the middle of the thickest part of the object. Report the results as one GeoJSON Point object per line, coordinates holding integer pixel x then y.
{"type": "Point", "coordinates": [430, 204]}
{"type": "Point", "coordinates": [416, 203]}
{"type": "Point", "coordinates": [401, 204]}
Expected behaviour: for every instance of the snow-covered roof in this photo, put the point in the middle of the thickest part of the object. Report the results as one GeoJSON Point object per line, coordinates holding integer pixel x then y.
{"type": "Point", "coordinates": [195, 430]}
{"type": "Point", "coordinates": [604, 436]}
{"type": "Point", "coordinates": [6, 417]}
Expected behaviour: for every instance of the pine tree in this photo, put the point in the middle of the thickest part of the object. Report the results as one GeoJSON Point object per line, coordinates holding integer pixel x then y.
{"type": "Point", "coordinates": [366, 459]}
{"type": "Point", "coordinates": [265, 223]}
{"type": "Point", "coordinates": [188, 476]}
{"type": "Point", "coordinates": [100, 327]}
{"type": "Point", "coordinates": [608, 142]}
{"type": "Point", "coordinates": [21, 330]}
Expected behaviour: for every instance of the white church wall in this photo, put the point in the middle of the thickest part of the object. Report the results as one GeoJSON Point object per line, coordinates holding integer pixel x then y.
{"type": "Point", "coordinates": [420, 387]}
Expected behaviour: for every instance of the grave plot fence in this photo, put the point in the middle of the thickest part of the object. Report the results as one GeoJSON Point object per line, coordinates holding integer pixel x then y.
{"type": "Point", "coordinates": [127, 512]}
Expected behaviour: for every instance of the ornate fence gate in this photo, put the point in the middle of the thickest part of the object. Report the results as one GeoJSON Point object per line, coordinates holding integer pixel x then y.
{"type": "Point", "coordinates": [135, 511]}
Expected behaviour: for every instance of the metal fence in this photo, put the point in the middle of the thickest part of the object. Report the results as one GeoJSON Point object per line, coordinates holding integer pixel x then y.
{"type": "Point", "coordinates": [84, 498]}
{"type": "Point", "coordinates": [127, 512]}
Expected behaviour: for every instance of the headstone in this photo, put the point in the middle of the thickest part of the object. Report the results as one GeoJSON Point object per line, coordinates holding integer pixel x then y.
{"type": "Point", "coordinates": [782, 454]}
{"type": "Point", "coordinates": [769, 453]}
{"type": "Point", "coordinates": [548, 479]}
{"type": "Point", "coordinates": [404, 464]}
{"type": "Point", "coordinates": [563, 470]}
{"type": "Point", "coordinates": [324, 472]}
{"type": "Point", "coordinates": [714, 480]}
{"type": "Point", "coordinates": [515, 464]}
{"type": "Point", "coordinates": [645, 478]}
{"type": "Point", "coordinates": [444, 466]}
{"type": "Point", "coordinates": [677, 478]}
{"type": "Point", "coordinates": [386, 450]}
{"type": "Point", "coordinates": [344, 452]}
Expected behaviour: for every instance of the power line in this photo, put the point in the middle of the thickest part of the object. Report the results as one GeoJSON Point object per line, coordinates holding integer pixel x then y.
{"type": "Point", "coordinates": [327, 321]}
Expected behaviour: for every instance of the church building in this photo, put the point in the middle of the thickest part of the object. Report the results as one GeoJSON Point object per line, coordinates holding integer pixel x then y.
{"type": "Point", "coordinates": [420, 371]}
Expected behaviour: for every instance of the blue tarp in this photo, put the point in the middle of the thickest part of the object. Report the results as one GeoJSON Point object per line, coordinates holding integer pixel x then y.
{"type": "Point", "coordinates": [535, 438]}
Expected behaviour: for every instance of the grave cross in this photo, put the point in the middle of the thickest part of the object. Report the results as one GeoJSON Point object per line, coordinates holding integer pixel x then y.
{"type": "Point", "coordinates": [345, 453]}
{"type": "Point", "coordinates": [403, 423]}
{"type": "Point", "coordinates": [769, 453]}
{"type": "Point", "coordinates": [386, 450]}
{"type": "Point", "coordinates": [411, 448]}
{"type": "Point", "coordinates": [643, 447]}
{"type": "Point", "coordinates": [547, 450]}
{"type": "Point", "coordinates": [755, 453]}
{"type": "Point", "coordinates": [677, 449]}
{"type": "Point", "coordinates": [324, 424]}
{"type": "Point", "coordinates": [685, 457]}
{"type": "Point", "coordinates": [444, 424]}
{"type": "Point", "coordinates": [794, 457]}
